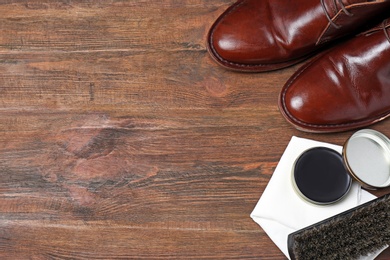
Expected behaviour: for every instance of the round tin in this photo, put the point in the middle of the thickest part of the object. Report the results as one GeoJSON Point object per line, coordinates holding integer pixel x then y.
{"type": "Point", "coordinates": [319, 176]}
{"type": "Point", "coordinates": [366, 155]}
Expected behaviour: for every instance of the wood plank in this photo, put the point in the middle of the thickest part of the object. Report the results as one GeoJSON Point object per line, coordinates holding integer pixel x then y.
{"type": "Point", "coordinates": [121, 138]}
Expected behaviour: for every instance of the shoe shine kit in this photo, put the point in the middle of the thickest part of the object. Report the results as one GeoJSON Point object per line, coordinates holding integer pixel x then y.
{"type": "Point", "coordinates": [343, 88]}
{"type": "Point", "coordinates": [323, 176]}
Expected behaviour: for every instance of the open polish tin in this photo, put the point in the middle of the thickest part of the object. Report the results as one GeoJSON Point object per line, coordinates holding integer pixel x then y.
{"type": "Point", "coordinates": [366, 156]}
{"type": "Point", "coordinates": [323, 176]}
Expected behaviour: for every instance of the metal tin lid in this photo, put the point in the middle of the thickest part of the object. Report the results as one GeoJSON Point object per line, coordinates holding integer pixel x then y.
{"type": "Point", "coordinates": [319, 176]}
{"type": "Point", "coordinates": [366, 155]}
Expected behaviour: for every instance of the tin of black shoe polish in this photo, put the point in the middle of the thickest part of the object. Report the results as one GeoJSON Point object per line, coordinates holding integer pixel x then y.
{"type": "Point", "coordinates": [320, 176]}
{"type": "Point", "coordinates": [366, 155]}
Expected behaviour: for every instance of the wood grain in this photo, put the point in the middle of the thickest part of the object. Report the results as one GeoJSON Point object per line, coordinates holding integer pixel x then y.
{"type": "Point", "coordinates": [121, 138]}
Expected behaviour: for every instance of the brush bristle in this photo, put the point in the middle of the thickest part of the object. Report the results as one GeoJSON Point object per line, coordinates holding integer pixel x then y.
{"type": "Point", "coordinates": [349, 235]}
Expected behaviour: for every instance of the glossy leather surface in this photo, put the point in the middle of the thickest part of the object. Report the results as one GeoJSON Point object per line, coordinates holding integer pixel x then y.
{"type": "Point", "coordinates": [344, 88]}
{"type": "Point", "coordinates": [263, 35]}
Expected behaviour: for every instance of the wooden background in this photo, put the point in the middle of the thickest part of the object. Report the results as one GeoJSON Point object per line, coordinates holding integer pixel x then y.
{"type": "Point", "coordinates": [121, 138]}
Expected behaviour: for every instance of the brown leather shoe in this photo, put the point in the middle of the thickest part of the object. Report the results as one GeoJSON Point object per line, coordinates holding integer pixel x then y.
{"type": "Point", "coordinates": [264, 35]}
{"type": "Point", "coordinates": [344, 88]}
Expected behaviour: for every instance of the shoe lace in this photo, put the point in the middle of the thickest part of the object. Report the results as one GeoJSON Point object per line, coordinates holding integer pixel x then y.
{"type": "Point", "coordinates": [330, 18]}
{"type": "Point", "coordinates": [384, 27]}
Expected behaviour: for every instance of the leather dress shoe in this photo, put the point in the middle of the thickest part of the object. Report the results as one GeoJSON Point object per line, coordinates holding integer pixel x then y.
{"type": "Point", "coordinates": [344, 88]}
{"type": "Point", "coordinates": [265, 35]}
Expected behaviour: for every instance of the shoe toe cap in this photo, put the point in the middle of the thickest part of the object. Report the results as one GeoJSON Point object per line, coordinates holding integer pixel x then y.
{"type": "Point", "coordinates": [313, 101]}
{"type": "Point", "coordinates": [241, 35]}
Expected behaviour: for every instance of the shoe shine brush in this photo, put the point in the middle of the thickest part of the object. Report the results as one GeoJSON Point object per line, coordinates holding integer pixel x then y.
{"type": "Point", "coordinates": [356, 232]}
